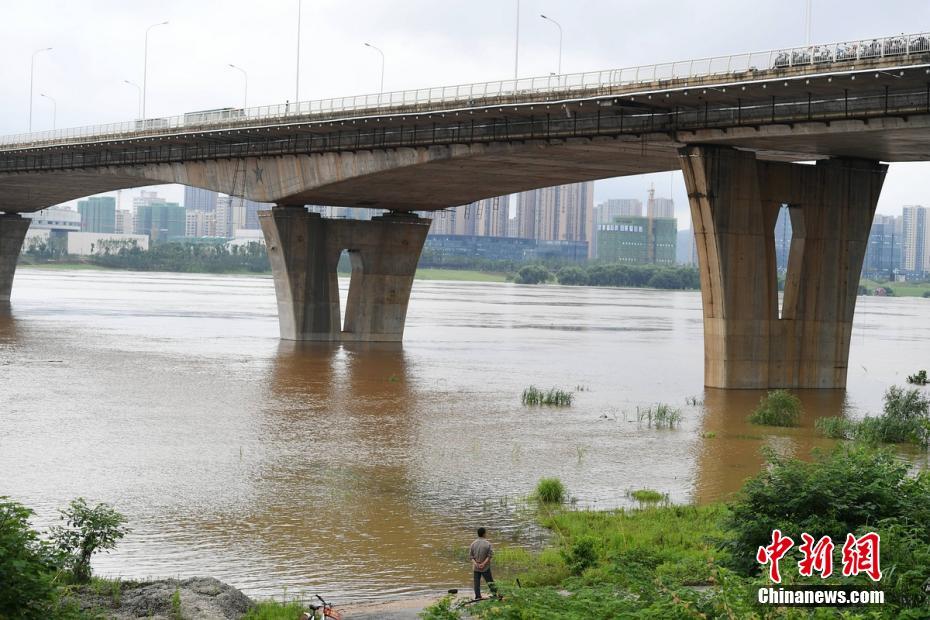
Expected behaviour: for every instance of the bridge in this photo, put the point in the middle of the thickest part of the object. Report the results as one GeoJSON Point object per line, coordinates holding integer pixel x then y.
{"type": "Point", "coordinates": [736, 125]}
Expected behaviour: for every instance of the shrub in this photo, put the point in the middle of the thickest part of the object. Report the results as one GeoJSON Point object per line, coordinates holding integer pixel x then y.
{"type": "Point", "coordinates": [920, 378]}
{"type": "Point", "coordinates": [647, 496]}
{"type": "Point", "coordinates": [926, 295]}
{"type": "Point", "coordinates": [27, 566]}
{"type": "Point", "coordinates": [86, 531]}
{"type": "Point", "coordinates": [581, 554]}
{"type": "Point", "coordinates": [572, 275]}
{"type": "Point", "coordinates": [550, 491]}
{"type": "Point", "coordinates": [777, 408]}
{"type": "Point", "coordinates": [836, 427]}
{"type": "Point", "coordinates": [532, 274]}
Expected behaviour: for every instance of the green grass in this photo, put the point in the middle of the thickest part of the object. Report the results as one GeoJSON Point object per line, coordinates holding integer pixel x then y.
{"type": "Point", "coordinates": [550, 491]}
{"type": "Point", "coordinates": [554, 397]}
{"type": "Point", "coordinates": [647, 496]}
{"type": "Point", "coordinates": [63, 266]}
{"type": "Point", "coordinates": [777, 408]}
{"type": "Point", "coordinates": [275, 610]}
{"type": "Point", "coordinates": [900, 289]}
{"type": "Point", "coordinates": [905, 418]}
{"type": "Point", "coordinates": [459, 275]}
{"type": "Point", "coordinates": [660, 416]}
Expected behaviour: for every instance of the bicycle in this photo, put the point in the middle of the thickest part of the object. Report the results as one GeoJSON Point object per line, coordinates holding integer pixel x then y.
{"type": "Point", "coordinates": [327, 611]}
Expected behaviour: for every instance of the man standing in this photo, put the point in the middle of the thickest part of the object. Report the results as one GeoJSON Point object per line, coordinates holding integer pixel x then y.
{"type": "Point", "coordinates": [480, 553]}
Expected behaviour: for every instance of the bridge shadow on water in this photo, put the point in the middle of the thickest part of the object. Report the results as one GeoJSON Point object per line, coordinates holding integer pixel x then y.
{"type": "Point", "coordinates": [730, 449]}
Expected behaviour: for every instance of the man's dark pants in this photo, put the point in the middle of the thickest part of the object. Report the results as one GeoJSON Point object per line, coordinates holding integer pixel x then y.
{"type": "Point", "coordinates": [488, 579]}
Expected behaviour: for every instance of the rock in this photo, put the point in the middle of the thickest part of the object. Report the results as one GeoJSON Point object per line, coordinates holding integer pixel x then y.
{"type": "Point", "coordinates": [201, 598]}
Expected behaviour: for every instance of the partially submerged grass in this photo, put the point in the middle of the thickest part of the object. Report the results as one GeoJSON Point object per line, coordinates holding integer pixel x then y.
{"type": "Point", "coordinates": [554, 396]}
{"type": "Point", "coordinates": [918, 378]}
{"type": "Point", "coordinates": [777, 408]}
{"type": "Point", "coordinates": [904, 419]}
{"type": "Point", "coordinates": [647, 496]}
{"type": "Point", "coordinates": [550, 491]}
{"type": "Point", "coordinates": [660, 416]}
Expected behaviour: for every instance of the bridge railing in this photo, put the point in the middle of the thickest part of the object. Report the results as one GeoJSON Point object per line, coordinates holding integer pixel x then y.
{"type": "Point", "coordinates": [815, 56]}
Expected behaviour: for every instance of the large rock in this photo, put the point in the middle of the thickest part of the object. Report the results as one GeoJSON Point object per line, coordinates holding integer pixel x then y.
{"type": "Point", "coordinates": [201, 598]}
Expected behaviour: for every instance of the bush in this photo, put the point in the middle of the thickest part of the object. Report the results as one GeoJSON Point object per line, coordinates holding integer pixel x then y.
{"type": "Point", "coordinates": [572, 275]}
{"type": "Point", "coordinates": [926, 295]}
{"type": "Point", "coordinates": [550, 491]}
{"type": "Point", "coordinates": [86, 531]}
{"type": "Point", "coordinates": [27, 566]}
{"type": "Point", "coordinates": [777, 408]}
{"type": "Point", "coordinates": [919, 378]}
{"type": "Point", "coordinates": [836, 427]}
{"type": "Point", "coordinates": [581, 554]}
{"type": "Point", "coordinates": [532, 274]}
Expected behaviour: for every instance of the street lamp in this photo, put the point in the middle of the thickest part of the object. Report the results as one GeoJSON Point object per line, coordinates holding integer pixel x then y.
{"type": "Point", "coordinates": [808, 26]}
{"type": "Point", "coordinates": [138, 97]}
{"type": "Point", "coordinates": [245, 94]}
{"type": "Point", "coordinates": [297, 85]}
{"type": "Point", "coordinates": [145, 63]}
{"type": "Point", "coordinates": [54, 108]}
{"type": "Point", "coordinates": [559, 26]}
{"type": "Point", "coordinates": [381, 90]}
{"type": "Point", "coordinates": [32, 74]}
{"type": "Point", "coordinates": [516, 48]}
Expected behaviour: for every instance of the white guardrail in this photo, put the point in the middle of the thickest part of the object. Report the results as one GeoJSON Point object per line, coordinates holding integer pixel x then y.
{"type": "Point", "coordinates": [814, 55]}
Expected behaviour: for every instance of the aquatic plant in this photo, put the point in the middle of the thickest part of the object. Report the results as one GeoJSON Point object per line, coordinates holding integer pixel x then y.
{"type": "Point", "coordinates": [777, 408]}
{"type": "Point", "coordinates": [556, 397]}
{"type": "Point", "coordinates": [920, 378]}
{"type": "Point", "coordinates": [660, 416]}
{"type": "Point", "coordinates": [647, 496]}
{"type": "Point", "coordinates": [550, 491]}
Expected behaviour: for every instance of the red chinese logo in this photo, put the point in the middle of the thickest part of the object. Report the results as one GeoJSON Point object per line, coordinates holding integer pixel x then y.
{"type": "Point", "coordinates": [817, 557]}
{"type": "Point", "coordinates": [860, 555]}
{"type": "Point", "coordinates": [773, 553]}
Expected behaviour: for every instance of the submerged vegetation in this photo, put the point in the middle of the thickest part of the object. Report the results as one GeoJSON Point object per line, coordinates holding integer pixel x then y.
{"type": "Point", "coordinates": [777, 408]}
{"type": "Point", "coordinates": [554, 396]}
{"type": "Point", "coordinates": [647, 496]}
{"type": "Point", "coordinates": [905, 418]}
{"type": "Point", "coordinates": [550, 491]}
{"type": "Point", "coordinates": [660, 416]}
{"type": "Point", "coordinates": [668, 561]}
{"type": "Point", "coordinates": [918, 378]}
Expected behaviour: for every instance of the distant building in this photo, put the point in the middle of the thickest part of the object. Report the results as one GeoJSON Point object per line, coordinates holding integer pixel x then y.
{"type": "Point", "coordinates": [124, 222]}
{"type": "Point", "coordinates": [611, 209]}
{"type": "Point", "coordinates": [234, 213]}
{"type": "Point", "coordinates": [161, 221]}
{"type": "Point", "coordinates": [196, 199]}
{"type": "Point", "coordinates": [98, 214]}
{"type": "Point", "coordinates": [504, 248]}
{"type": "Point", "coordinates": [200, 223]}
{"type": "Point", "coordinates": [782, 239]}
{"type": "Point", "coordinates": [55, 218]}
{"type": "Point", "coordinates": [485, 218]}
{"type": "Point", "coordinates": [638, 240]}
{"type": "Point", "coordinates": [347, 213]}
{"type": "Point", "coordinates": [883, 254]}
{"type": "Point", "coordinates": [916, 241]}
{"type": "Point", "coordinates": [686, 249]}
{"type": "Point", "coordinates": [559, 213]}
{"type": "Point", "coordinates": [87, 243]}
{"type": "Point", "coordinates": [659, 207]}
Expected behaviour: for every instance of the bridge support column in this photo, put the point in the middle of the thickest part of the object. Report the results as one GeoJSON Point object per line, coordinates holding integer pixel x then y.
{"type": "Point", "coordinates": [304, 250]}
{"type": "Point", "coordinates": [735, 201]}
{"type": "Point", "coordinates": [12, 232]}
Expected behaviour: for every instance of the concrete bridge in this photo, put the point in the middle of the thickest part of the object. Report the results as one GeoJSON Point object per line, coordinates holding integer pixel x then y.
{"type": "Point", "coordinates": [735, 125]}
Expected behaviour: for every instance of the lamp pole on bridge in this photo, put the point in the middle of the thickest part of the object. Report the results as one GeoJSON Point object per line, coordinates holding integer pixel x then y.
{"type": "Point", "coordinates": [54, 109]}
{"type": "Point", "coordinates": [138, 97]}
{"type": "Point", "coordinates": [32, 75]}
{"type": "Point", "coordinates": [145, 63]}
{"type": "Point", "coordinates": [245, 94]}
{"type": "Point", "coordinates": [381, 89]}
{"type": "Point", "coordinates": [516, 49]}
{"type": "Point", "coordinates": [559, 26]}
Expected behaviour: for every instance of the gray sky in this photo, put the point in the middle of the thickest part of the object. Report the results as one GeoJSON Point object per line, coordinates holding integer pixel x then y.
{"type": "Point", "coordinates": [99, 43]}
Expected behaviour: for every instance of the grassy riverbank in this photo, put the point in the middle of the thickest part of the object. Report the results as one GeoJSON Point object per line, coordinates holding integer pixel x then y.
{"type": "Point", "coordinates": [900, 289]}
{"type": "Point", "coordinates": [669, 561]}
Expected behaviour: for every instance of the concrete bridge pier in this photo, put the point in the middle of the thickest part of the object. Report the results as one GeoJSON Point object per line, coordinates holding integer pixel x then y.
{"type": "Point", "coordinates": [735, 200]}
{"type": "Point", "coordinates": [12, 232]}
{"type": "Point", "coordinates": [304, 250]}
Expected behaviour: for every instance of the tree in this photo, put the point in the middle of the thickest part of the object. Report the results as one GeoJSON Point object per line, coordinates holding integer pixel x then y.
{"type": "Point", "coordinates": [27, 566]}
{"type": "Point", "coordinates": [86, 531]}
{"type": "Point", "coordinates": [572, 275]}
{"type": "Point", "coordinates": [532, 274]}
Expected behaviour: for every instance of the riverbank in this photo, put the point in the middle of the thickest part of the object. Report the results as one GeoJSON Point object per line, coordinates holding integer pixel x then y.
{"type": "Point", "coordinates": [900, 289]}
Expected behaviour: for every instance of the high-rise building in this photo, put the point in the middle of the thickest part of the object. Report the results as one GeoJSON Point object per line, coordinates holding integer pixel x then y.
{"type": "Point", "coordinates": [883, 254]}
{"type": "Point", "coordinates": [659, 207]}
{"type": "Point", "coordinates": [196, 199]}
{"type": "Point", "coordinates": [916, 241]}
{"type": "Point", "coordinates": [200, 224]}
{"type": "Point", "coordinates": [782, 238]}
{"type": "Point", "coordinates": [98, 214]}
{"type": "Point", "coordinates": [124, 222]}
{"type": "Point", "coordinates": [55, 218]}
{"type": "Point", "coordinates": [560, 213]}
{"type": "Point", "coordinates": [486, 218]}
{"type": "Point", "coordinates": [638, 240]}
{"type": "Point", "coordinates": [611, 209]}
{"type": "Point", "coordinates": [686, 250]}
{"type": "Point", "coordinates": [161, 221]}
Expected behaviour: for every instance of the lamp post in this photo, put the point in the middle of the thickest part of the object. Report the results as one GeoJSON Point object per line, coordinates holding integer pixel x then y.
{"type": "Point", "coordinates": [808, 24]}
{"type": "Point", "coordinates": [32, 74]}
{"type": "Point", "coordinates": [381, 89]}
{"type": "Point", "coordinates": [54, 109]}
{"type": "Point", "coordinates": [559, 26]}
{"type": "Point", "coordinates": [516, 48]}
{"type": "Point", "coordinates": [138, 97]}
{"type": "Point", "coordinates": [297, 81]}
{"type": "Point", "coordinates": [145, 64]}
{"type": "Point", "coordinates": [245, 94]}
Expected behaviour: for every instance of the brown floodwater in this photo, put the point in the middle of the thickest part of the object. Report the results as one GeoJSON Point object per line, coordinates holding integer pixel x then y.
{"type": "Point", "coordinates": [361, 471]}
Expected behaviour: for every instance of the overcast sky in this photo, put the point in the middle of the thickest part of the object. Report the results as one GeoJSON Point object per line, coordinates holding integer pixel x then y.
{"type": "Point", "coordinates": [99, 43]}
